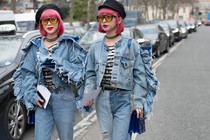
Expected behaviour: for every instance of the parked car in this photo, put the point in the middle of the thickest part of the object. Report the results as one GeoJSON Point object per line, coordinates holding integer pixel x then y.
{"type": "Point", "coordinates": [183, 28]}
{"type": "Point", "coordinates": [93, 36]}
{"type": "Point", "coordinates": [168, 30]}
{"type": "Point", "coordinates": [13, 115]}
{"type": "Point", "coordinates": [90, 37]}
{"type": "Point", "coordinates": [79, 31]}
{"type": "Point", "coordinates": [158, 38]}
{"type": "Point", "coordinates": [207, 23]}
{"type": "Point", "coordinates": [175, 29]}
{"type": "Point", "coordinates": [25, 21]}
{"type": "Point", "coordinates": [7, 17]}
{"type": "Point", "coordinates": [188, 27]}
{"type": "Point", "coordinates": [199, 22]}
{"type": "Point", "coordinates": [193, 25]}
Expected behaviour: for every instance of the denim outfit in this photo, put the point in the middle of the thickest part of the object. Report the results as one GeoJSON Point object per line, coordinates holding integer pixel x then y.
{"type": "Point", "coordinates": [68, 63]}
{"type": "Point", "coordinates": [113, 107]}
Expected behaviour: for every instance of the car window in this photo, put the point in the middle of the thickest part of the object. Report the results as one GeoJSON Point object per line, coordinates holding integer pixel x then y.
{"type": "Point", "coordinates": [148, 30]}
{"type": "Point", "coordinates": [26, 25]}
{"type": "Point", "coordinates": [160, 28]}
{"type": "Point", "coordinates": [9, 47]}
{"type": "Point", "coordinates": [91, 37]}
{"type": "Point", "coordinates": [138, 34]}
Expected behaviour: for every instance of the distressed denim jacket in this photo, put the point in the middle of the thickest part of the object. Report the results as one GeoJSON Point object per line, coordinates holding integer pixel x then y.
{"type": "Point", "coordinates": [124, 62]}
{"type": "Point", "coordinates": [69, 59]}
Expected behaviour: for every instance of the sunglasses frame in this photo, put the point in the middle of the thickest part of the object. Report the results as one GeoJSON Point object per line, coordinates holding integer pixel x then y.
{"type": "Point", "coordinates": [105, 17]}
{"type": "Point", "coordinates": [49, 20]}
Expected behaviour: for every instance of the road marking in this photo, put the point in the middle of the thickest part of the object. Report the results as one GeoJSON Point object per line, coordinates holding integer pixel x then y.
{"type": "Point", "coordinates": [159, 61]}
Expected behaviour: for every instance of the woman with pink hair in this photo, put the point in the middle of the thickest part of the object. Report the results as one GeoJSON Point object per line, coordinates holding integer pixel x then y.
{"type": "Point", "coordinates": [56, 63]}
{"type": "Point", "coordinates": [116, 68]}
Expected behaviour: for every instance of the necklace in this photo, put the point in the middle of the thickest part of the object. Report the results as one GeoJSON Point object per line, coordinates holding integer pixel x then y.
{"type": "Point", "coordinates": [112, 37]}
{"type": "Point", "coordinates": [51, 39]}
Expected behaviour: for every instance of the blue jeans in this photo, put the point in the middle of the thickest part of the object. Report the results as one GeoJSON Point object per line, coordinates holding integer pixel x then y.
{"type": "Point", "coordinates": [113, 110]}
{"type": "Point", "coordinates": [60, 112]}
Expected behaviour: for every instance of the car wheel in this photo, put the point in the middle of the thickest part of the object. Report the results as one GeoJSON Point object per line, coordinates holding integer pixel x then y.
{"type": "Point", "coordinates": [14, 120]}
{"type": "Point", "coordinates": [157, 52]}
{"type": "Point", "coordinates": [167, 47]}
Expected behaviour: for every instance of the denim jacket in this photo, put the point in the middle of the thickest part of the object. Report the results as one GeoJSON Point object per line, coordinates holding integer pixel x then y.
{"type": "Point", "coordinates": [69, 67]}
{"type": "Point", "coordinates": [122, 65]}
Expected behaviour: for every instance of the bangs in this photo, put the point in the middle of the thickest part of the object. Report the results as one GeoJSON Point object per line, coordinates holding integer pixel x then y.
{"type": "Point", "coordinates": [50, 13]}
{"type": "Point", "coordinates": [107, 11]}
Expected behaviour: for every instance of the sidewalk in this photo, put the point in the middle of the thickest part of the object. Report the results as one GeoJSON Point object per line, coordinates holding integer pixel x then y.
{"type": "Point", "coordinates": [87, 129]}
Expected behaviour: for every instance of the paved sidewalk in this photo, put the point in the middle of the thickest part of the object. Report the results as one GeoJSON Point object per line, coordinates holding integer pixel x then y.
{"type": "Point", "coordinates": [87, 129]}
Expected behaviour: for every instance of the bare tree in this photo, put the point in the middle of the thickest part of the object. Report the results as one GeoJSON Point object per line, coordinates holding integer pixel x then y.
{"type": "Point", "coordinates": [146, 2]}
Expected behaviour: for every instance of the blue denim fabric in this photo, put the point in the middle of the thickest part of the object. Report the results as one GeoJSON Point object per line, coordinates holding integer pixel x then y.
{"type": "Point", "coordinates": [152, 82]}
{"type": "Point", "coordinates": [69, 59]}
{"type": "Point", "coordinates": [121, 77]}
{"type": "Point", "coordinates": [113, 112]}
{"type": "Point", "coordinates": [60, 113]}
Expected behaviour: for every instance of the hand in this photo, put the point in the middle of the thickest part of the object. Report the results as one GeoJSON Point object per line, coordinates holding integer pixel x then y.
{"type": "Point", "coordinates": [139, 113]}
{"type": "Point", "coordinates": [40, 103]}
{"type": "Point", "coordinates": [90, 103]}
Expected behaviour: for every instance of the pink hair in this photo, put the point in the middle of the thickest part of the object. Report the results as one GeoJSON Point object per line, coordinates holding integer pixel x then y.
{"type": "Point", "coordinates": [120, 26]}
{"type": "Point", "coordinates": [51, 13]}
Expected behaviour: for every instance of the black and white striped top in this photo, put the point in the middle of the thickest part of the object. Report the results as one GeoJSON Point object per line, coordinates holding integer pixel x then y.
{"type": "Point", "coordinates": [109, 65]}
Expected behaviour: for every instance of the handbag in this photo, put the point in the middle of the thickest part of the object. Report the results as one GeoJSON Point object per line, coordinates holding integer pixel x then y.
{"type": "Point", "coordinates": [137, 125]}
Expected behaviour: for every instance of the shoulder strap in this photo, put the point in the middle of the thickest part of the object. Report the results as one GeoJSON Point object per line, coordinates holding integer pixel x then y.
{"type": "Point", "coordinates": [129, 43]}
{"type": "Point", "coordinates": [131, 76]}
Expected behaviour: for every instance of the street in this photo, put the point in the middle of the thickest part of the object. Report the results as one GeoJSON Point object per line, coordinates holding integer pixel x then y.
{"type": "Point", "coordinates": [181, 110]}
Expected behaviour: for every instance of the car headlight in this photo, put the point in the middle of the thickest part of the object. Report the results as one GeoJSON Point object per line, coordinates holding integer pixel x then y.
{"type": "Point", "coordinates": [183, 30]}
{"type": "Point", "coordinates": [176, 30]}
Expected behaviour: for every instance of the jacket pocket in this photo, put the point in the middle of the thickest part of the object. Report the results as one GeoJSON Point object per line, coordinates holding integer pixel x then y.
{"type": "Point", "coordinates": [126, 63]}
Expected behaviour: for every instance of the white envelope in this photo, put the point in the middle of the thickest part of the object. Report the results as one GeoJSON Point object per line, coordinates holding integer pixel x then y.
{"type": "Point", "coordinates": [45, 93]}
{"type": "Point", "coordinates": [92, 95]}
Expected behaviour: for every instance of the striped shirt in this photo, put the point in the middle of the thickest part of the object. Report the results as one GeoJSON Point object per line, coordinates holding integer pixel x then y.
{"type": "Point", "coordinates": [109, 65]}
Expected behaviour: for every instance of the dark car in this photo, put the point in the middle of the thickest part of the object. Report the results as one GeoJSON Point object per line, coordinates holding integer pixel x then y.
{"type": "Point", "coordinates": [93, 36]}
{"type": "Point", "coordinates": [13, 115]}
{"type": "Point", "coordinates": [188, 27]}
{"type": "Point", "coordinates": [176, 29]}
{"type": "Point", "coordinates": [193, 24]}
{"type": "Point", "coordinates": [184, 28]}
{"type": "Point", "coordinates": [168, 30]}
{"type": "Point", "coordinates": [158, 38]}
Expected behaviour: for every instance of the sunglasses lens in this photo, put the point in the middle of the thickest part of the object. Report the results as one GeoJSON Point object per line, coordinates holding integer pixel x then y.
{"type": "Point", "coordinates": [44, 21]}
{"type": "Point", "coordinates": [100, 18]}
{"type": "Point", "coordinates": [53, 20]}
{"type": "Point", "coordinates": [108, 18]}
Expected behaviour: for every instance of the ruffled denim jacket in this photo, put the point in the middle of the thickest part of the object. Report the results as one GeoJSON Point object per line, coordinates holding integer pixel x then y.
{"type": "Point", "coordinates": [69, 69]}
{"type": "Point", "coordinates": [121, 75]}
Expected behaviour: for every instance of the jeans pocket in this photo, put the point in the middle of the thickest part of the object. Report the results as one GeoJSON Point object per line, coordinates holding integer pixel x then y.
{"type": "Point", "coordinates": [68, 97]}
